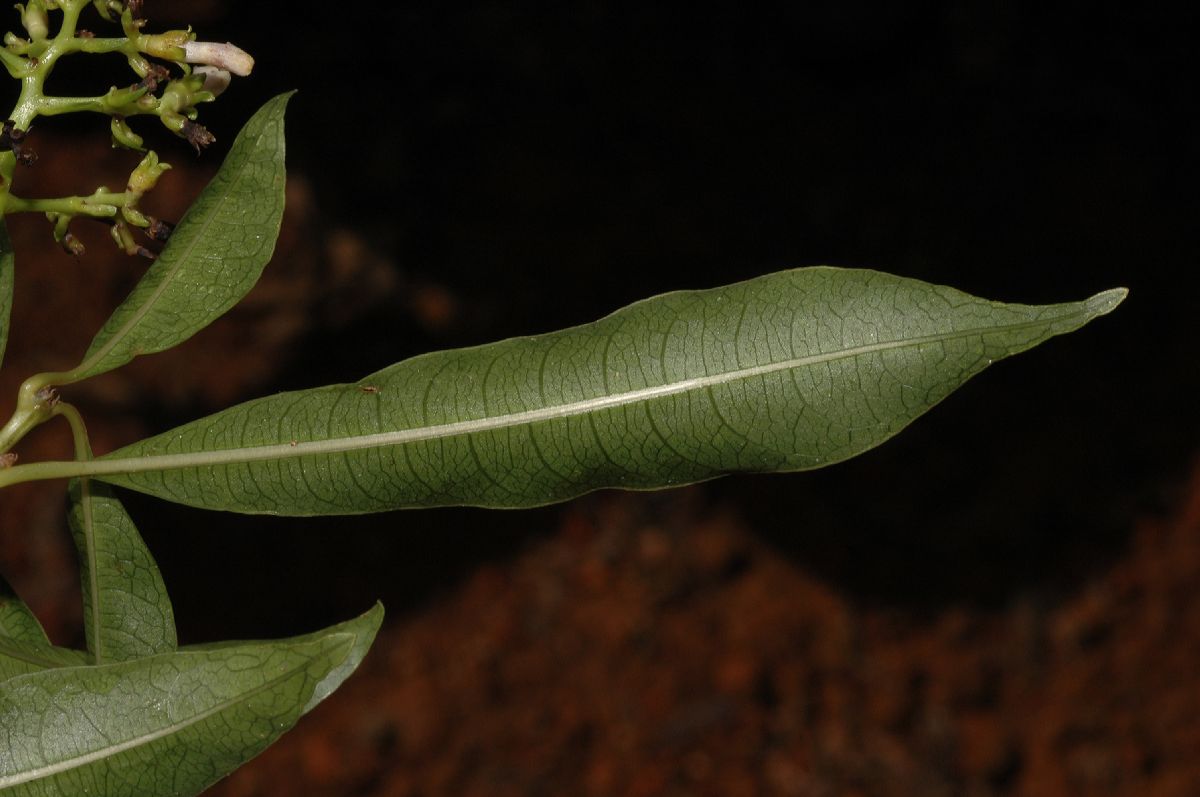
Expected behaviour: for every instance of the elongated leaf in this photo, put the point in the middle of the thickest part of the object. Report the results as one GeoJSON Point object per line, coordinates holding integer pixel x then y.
{"type": "Point", "coordinates": [7, 262]}
{"type": "Point", "coordinates": [126, 611]}
{"type": "Point", "coordinates": [16, 621]}
{"type": "Point", "coordinates": [363, 628]}
{"type": "Point", "coordinates": [785, 372]}
{"type": "Point", "coordinates": [214, 257]}
{"type": "Point", "coordinates": [165, 725]}
{"type": "Point", "coordinates": [24, 646]}
{"type": "Point", "coordinates": [789, 371]}
{"type": "Point", "coordinates": [18, 657]}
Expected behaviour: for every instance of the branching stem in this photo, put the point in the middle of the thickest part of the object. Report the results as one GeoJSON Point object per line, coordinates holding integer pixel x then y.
{"type": "Point", "coordinates": [30, 61]}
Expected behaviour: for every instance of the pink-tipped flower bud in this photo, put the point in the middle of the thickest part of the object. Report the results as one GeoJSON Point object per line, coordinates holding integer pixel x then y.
{"type": "Point", "coordinates": [226, 56]}
{"type": "Point", "coordinates": [216, 80]}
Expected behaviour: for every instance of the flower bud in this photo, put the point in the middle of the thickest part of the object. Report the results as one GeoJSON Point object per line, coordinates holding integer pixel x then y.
{"type": "Point", "coordinates": [33, 17]}
{"type": "Point", "coordinates": [123, 135]}
{"type": "Point", "coordinates": [14, 43]}
{"type": "Point", "coordinates": [169, 45]}
{"type": "Point", "coordinates": [226, 56]}
{"type": "Point", "coordinates": [178, 96]}
{"type": "Point", "coordinates": [62, 234]}
{"type": "Point", "coordinates": [134, 216]}
{"type": "Point", "coordinates": [143, 178]}
{"type": "Point", "coordinates": [216, 80]}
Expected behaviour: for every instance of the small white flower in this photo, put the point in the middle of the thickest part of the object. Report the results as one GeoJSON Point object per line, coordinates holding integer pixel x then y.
{"type": "Point", "coordinates": [228, 57]}
{"type": "Point", "coordinates": [215, 80]}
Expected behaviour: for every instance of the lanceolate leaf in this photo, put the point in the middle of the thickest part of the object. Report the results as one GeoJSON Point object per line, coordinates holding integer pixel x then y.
{"type": "Point", "coordinates": [18, 657]}
{"type": "Point", "coordinates": [168, 724]}
{"type": "Point", "coordinates": [214, 257]}
{"type": "Point", "coordinates": [786, 372]}
{"type": "Point", "coordinates": [16, 621]}
{"type": "Point", "coordinates": [126, 611]}
{"type": "Point", "coordinates": [24, 646]}
{"type": "Point", "coordinates": [6, 286]}
{"type": "Point", "coordinates": [363, 628]}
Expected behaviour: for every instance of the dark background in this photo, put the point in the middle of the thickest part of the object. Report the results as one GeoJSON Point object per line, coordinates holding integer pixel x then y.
{"type": "Point", "coordinates": [547, 164]}
{"type": "Point", "coordinates": [544, 164]}
{"type": "Point", "coordinates": [551, 163]}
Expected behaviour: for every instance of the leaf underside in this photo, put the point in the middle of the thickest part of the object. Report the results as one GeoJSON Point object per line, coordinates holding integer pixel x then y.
{"type": "Point", "coordinates": [126, 611]}
{"type": "Point", "coordinates": [24, 646]}
{"type": "Point", "coordinates": [786, 372]}
{"type": "Point", "coordinates": [167, 724]}
{"type": "Point", "coordinates": [16, 620]}
{"type": "Point", "coordinates": [214, 257]}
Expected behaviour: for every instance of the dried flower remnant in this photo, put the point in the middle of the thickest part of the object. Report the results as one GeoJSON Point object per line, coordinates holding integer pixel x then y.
{"type": "Point", "coordinates": [166, 87]}
{"type": "Point", "coordinates": [13, 139]}
{"type": "Point", "coordinates": [197, 135]}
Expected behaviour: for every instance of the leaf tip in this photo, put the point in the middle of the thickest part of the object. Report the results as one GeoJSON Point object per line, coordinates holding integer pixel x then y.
{"type": "Point", "coordinates": [1105, 302]}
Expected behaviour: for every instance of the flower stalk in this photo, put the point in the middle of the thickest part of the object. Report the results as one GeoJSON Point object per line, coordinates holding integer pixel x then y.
{"type": "Point", "coordinates": [170, 91]}
{"type": "Point", "coordinates": [173, 75]}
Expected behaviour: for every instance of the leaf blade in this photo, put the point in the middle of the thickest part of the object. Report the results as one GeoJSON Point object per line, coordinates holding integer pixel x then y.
{"type": "Point", "coordinates": [16, 620]}
{"type": "Point", "coordinates": [172, 723]}
{"type": "Point", "coordinates": [127, 612]}
{"type": "Point", "coordinates": [18, 657]}
{"type": "Point", "coordinates": [785, 372]}
{"type": "Point", "coordinates": [24, 646]}
{"type": "Point", "coordinates": [214, 257]}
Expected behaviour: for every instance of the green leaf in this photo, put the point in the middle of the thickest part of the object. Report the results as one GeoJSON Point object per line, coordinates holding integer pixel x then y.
{"type": "Point", "coordinates": [363, 628]}
{"type": "Point", "coordinates": [214, 257]}
{"type": "Point", "coordinates": [7, 262]}
{"type": "Point", "coordinates": [18, 657]}
{"type": "Point", "coordinates": [126, 611]}
{"type": "Point", "coordinates": [24, 646]}
{"type": "Point", "coordinates": [786, 372]}
{"type": "Point", "coordinates": [168, 724]}
{"type": "Point", "coordinates": [16, 621]}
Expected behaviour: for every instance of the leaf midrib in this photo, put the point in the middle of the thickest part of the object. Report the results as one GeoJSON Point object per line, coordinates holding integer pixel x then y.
{"type": "Point", "coordinates": [1098, 305]}
{"type": "Point", "coordinates": [141, 312]}
{"type": "Point", "coordinates": [93, 585]}
{"type": "Point", "coordinates": [343, 444]}
{"type": "Point", "coordinates": [68, 764]}
{"type": "Point", "coordinates": [26, 656]}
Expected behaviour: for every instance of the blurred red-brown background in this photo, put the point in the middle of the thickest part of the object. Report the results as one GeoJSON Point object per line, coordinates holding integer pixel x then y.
{"type": "Point", "coordinates": [1001, 601]}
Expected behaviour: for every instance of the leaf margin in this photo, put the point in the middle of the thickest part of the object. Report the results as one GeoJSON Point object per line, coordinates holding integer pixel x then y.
{"type": "Point", "coordinates": [341, 643]}
{"type": "Point", "coordinates": [110, 348]}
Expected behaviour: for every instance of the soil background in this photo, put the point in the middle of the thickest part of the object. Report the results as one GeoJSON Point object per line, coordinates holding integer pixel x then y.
{"type": "Point", "coordinates": [1000, 601]}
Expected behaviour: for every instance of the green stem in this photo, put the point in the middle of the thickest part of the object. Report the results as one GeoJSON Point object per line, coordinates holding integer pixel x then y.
{"type": "Point", "coordinates": [8, 165]}
{"type": "Point", "coordinates": [114, 45]}
{"type": "Point", "coordinates": [56, 106]}
{"type": "Point", "coordinates": [71, 10]}
{"type": "Point", "coordinates": [79, 435]}
{"type": "Point", "coordinates": [83, 451]}
{"type": "Point", "coordinates": [33, 73]}
{"type": "Point", "coordinates": [38, 471]}
{"type": "Point", "coordinates": [35, 405]}
{"type": "Point", "coordinates": [100, 205]}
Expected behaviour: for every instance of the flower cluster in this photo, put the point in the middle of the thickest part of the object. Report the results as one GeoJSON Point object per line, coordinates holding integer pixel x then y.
{"type": "Point", "coordinates": [175, 74]}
